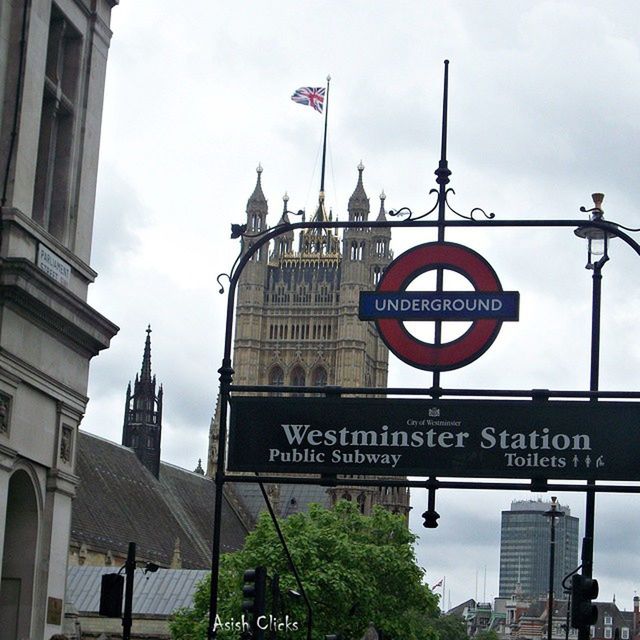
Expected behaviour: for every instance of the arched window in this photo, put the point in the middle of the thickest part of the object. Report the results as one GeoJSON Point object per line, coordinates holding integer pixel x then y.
{"type": "Point", "coordinates": [297, 377]}
{"type": "Point", "coordinates": [276, 376]}
{"type": "Point", "coordinates": [319, 378]}
{"type": "Point", "coordinates": [361, 502]}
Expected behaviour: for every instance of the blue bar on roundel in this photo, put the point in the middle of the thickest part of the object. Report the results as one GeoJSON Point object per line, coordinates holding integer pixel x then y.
{"type": "Point", "coordinates": [445, 305]}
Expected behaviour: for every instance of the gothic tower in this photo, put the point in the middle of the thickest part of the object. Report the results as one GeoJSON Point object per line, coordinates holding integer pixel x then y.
{"type": "Point", "coordinates": [297, 314]}
{"type": "Point", "coordinates": [143, 415]}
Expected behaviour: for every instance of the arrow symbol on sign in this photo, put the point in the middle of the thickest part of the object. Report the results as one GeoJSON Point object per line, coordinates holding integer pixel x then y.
{"type": "Point", "coordinates": [575, 461]}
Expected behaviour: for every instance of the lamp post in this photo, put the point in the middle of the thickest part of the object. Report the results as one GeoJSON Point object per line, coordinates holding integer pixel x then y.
{"type": "Point", "coordinates": [598, 255]}
{"type": "Point", "coordinates": [553, 513]}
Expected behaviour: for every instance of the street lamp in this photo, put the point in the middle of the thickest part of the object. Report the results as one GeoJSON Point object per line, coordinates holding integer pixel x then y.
{"type": "Point", "coordinates": [597, 238]}
{"type": "Point", "coordinates": [553, 513]}
{"type": "Point", "coordinates": [598, 248]}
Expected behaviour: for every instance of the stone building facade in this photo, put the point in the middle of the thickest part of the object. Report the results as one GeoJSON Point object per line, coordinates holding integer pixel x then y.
{"type": "Point", "coordinates": [297, 315]}
{"type": "Point", "coordinates": [53, 57]}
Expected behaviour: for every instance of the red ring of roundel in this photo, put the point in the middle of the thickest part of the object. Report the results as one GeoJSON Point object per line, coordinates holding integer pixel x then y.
{"type": "Point", "coordinates": [470, 345]}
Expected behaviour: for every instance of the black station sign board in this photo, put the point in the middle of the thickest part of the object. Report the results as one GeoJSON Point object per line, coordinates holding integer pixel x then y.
{"type": "Point", "coordinates": [452, 438]}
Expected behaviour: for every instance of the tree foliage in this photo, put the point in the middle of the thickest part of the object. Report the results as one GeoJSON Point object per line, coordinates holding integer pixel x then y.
{"type": "Point", "coordinates": [355, 569]}
{"type": "Point", "coordinates": [449, 627]}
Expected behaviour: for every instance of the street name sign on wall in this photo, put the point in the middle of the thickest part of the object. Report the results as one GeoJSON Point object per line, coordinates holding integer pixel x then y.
{"type": "Point", "coordinates": [486, 307]}
{"type": "Point", "coordinates": [456, 438]}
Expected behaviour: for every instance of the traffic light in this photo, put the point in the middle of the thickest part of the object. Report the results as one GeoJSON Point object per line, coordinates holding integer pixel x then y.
{"type": "Point", "coordinates": [254, 592]}
{"type": "Point", "coordinates": [583, 612]}
{"type": "Point", "coordinates": [111, 591]}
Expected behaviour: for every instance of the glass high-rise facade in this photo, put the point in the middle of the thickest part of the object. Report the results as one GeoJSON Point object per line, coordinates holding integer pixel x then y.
{"type": "Point", "coordinates": [525, 548]}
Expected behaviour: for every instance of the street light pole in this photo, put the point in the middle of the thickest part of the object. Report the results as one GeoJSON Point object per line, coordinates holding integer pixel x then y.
{"type": "Point", "coordinates": [130, 568]}
{"type": "Point", "coordinates": [598, 248]}
{"type": "Point", "coordinates": [553, 513]}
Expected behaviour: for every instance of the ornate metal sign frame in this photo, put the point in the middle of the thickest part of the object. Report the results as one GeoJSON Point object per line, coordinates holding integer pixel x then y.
{"type": "Point", "coordinates": [405, 218]}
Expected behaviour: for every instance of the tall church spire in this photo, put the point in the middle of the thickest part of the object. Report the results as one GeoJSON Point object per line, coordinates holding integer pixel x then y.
{"type": "Point", "coordinates": [145, 373]}
{"type": "Point", "coordinates": [143, 414]}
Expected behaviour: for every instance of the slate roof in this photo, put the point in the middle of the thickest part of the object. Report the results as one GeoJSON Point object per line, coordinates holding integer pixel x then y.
{"type": "Point", "coordinates": [154, 594]}
{"type": "Point", "coordinates": [119, 500]}
{"type": "Point", "coordinates": [294, 498]}
{"type": "Point", "coordinates": [618, 618]}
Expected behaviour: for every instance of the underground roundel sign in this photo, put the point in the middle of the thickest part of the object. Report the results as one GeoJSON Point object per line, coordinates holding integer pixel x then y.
{"type": "Point", "coordinates": [486, 307]}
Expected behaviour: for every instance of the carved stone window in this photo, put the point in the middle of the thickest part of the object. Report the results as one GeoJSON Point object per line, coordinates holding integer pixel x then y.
{"type": "Point", "coordinates": [53, 189]}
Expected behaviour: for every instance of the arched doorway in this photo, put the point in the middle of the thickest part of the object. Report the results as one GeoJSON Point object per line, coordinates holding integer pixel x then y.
{"type": "Point", "coordinates": [18, 558]}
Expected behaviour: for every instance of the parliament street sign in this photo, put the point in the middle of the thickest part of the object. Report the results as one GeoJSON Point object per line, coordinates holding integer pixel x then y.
{"type": "Point", "coordinates": [571, 440]}
{"type": "Point", "coordinates": [487, 306]}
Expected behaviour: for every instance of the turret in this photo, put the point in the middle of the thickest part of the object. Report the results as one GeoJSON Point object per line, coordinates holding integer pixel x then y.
{"type": "Point", "coordinates": [356, 240]}
{"type": "Point", "coordinates": [358, 206]}
{"type": "Point", "coordinates": [283, 244]}
{"type": "Point", "coordinates": [380, 253]}
{"type": "Point", "coordinates": [142, 427]}
{"type": "Point", "coordinates": [256, 220]}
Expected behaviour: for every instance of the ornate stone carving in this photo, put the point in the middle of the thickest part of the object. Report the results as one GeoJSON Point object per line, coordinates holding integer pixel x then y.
{"type": "Point", "coordinates": [66, 444]}
{"type": "Point", "coordinates": [5, 410]}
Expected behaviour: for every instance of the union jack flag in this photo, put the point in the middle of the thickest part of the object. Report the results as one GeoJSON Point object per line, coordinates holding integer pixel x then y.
{"type": "Point", "coordinates": [313, 96]}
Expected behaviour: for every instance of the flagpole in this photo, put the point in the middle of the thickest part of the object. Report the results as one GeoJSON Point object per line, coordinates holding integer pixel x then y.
{"type": "Point", "coordinates": [324, 144]}
{"type": "Point", "coordinates": [444, 594]}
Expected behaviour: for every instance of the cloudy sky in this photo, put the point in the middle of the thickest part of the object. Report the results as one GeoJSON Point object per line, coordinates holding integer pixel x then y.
{"type": "Point", "coordinates": [544, 110]}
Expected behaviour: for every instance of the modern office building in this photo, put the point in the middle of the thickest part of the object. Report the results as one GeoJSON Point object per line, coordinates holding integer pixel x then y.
{"type": "Point", "coordinates": [525, 548]}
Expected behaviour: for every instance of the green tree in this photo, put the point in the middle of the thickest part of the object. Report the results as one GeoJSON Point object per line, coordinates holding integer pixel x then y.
{"type": "Point", "coordinates": [448, 627]}
{"type": "Point", "coordinates": [486, 635]}
{"type": "Point", "coordinates": [355, 569]}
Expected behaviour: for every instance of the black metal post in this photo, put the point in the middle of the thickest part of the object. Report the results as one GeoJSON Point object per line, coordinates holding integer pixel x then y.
{"type": "Point", "coordinates": [226, 377]}
{"type": "Point", "coordinates": [275, 604]}
{"type": "Point", "coordinates": [552, 558]}
{"type": "Point", "coordinates": [553, 513]}
{"type": "Point", "coordinates": [442, 178]}
{"type": "Point", "coordinates": [130, 568]}
{"type": "Point", "coordinates": [290, 561]}
{"type": "Point", "coordinates": [594, 382]}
